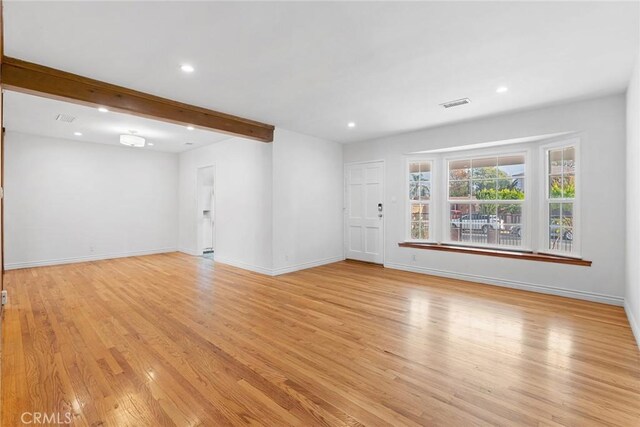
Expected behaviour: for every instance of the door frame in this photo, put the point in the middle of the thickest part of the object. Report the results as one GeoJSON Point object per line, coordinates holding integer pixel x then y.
{"type": "Point", "coordinates": [199, 247]}
{"type": "Point", "coordinates": [344, 206]}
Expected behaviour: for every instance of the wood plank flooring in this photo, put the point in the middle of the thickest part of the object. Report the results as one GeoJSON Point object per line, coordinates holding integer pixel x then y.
{"type": "Point", "coordinates": [176, 340]}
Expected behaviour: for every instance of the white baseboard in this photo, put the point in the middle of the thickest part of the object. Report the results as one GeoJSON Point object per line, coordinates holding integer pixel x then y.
{"type": "Point", "coordinates": [244, 266]}
{"type": "Point", "coordinates": [305, 265]}
{"type": "Point", "coordinates": [72, 260]}
{"type": "Point", "coordinates": [635, 326]}
{"type": "Point", "coordinates": [589, 296]}
{"type": "Point", "coordinates": [188, 251]}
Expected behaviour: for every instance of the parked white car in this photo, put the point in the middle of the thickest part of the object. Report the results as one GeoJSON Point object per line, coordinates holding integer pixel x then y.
{"type": "Point", "coordinates": [480, 222]}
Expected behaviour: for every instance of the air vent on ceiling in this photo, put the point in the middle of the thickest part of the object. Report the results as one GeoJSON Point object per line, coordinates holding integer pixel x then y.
{"type": "Point", "coordinates": [65, 118]}
{"type": "Point", "coordinates": [456, 103]}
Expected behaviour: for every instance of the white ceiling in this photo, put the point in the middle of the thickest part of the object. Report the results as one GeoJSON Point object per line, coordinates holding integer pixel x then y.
{"type": "Point", "coordinates": [314, 66]}
{"type": "Point", "coordinates": [37, 115]}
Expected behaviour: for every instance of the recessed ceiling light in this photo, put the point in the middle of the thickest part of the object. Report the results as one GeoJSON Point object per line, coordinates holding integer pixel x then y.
{"type": "Point", "coordinates": [351, 124]}
{"type": "Point", "coordinates": [190, 128]}
{"type": "Point", "coordinates": [150, 144]}
{"type": "Point", "coordinates": [77, 133]}
{"type": "Point", "coordinates": [103, 110]}
{"type": "Point", "coordinates": [502, 89]}
{"type": "Point", "coordinates": [132, 140]}
{"type": "Point", "coordinates": [187, 68]}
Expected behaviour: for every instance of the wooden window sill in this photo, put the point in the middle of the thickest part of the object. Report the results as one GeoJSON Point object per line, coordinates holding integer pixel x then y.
{"type": "Point", "coordinates": [529, 256]}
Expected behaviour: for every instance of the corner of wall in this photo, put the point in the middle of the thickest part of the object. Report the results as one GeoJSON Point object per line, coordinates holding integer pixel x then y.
{"type": "Point", "coordinates": [633, 322]}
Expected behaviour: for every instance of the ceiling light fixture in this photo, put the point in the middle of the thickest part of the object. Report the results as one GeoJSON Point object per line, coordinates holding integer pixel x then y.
{"type": "Point", "coordinates": [351, 124]}
{"type": "Point", "coordinates": [187, 68]}
{"type": "Point", "coordinates": [132, 140]}
{"type": "Point", "coordinates": [502, 89]}
{"type": "Point", "coordinates": [77, 133]}
{"type": "Point", "coordinates": [150, 144]}
{"type": "Point", "coordinates": [190, 128]}
{"type": "Point", "coordinates": [103, 110]}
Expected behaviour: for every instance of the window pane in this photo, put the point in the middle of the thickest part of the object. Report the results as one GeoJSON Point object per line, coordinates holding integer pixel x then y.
{"type": "Point", "coordinates": [459, 219]}
{"type": "Point", "coordinates": [511, 166]}
{"type": "Point", "coordinates": [425, 171]}
{"type": "Point", "coordinates": [413, 191]}
{"type": "Point", "coordinates": [424, 230]}
{"type": "Point", "coordinates": [511, 218]}
{"type": "Point", "coordinates": [561, 226]}
{"type": "Point", "coordinates": [415, 212]}
{"type": "Point", "coordinates": [569, 186]}
{"type": "Point", "coordinates": [564, 236]}
{"type": "Point", "coordinates": [555, 214]}
{"type": "Point", "coordinates": [561, 239]}
{"type": "Point", "coordinates": [484, 223]}
{"type": "Point", "coordinates": [484, 190]}
{"type": "Point", "coordinates": [485, 168]}
{"type": "Point", "coordinates": [414, 172]}
{"type": "Point", "coordinates": [569, 160]}
{"type": "Point", "coordinates": [562, 187]}
{"type": "Point", "coordinates": [459, 189]}
{"type": "Point", "coordinates": [419, 212]}
{"type": "Point", "coordinates": [425, 190]}
{"type": "Point", "coordinates": [415, 230]}
{"type": "Point", "coordinates": [555, 187]}
{"type": "Point", "coordinates": [485, 209]}
{"type": "Point", "coordinates": [459, 169]}
{"type": "Point", "coordinates": [511, 177]}
{"type": "Point", "coordinates": [419, 221]}
{"type": "Point", "coordinates": [567, 238]}
{"type": "Point", "coordinates": [555, 162]}
{"type": "Point", "coordinates": [511, 190]}
{"type": "Point", "coordinates": [567, 214]}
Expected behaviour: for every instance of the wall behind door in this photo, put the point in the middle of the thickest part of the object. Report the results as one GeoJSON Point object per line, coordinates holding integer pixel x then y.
{"type": "Point", "coordinates": [243, 201]}
{"type": "Point", "coordinates": [307, 201]}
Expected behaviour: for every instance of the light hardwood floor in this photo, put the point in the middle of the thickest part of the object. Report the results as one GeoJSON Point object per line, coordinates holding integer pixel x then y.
{"type": "Point", "coordinates": [174, 340]}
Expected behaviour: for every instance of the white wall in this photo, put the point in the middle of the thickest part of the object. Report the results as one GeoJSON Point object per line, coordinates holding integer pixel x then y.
{"type": "Point", "coordinates": [278, 207]}
{"type": "Point", "coordinates": [632, 289]}
{"type": "Point", "coordinates": [603, 215]}
{"type": "Point", "coordinates": [70, 201]}
{"type": "Point", "coordinates": [243, 198]}
{"type": "Point", "coordinates": [307, 201]}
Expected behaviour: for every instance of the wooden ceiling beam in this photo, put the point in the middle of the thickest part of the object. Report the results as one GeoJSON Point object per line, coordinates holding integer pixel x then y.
{"type": "Point", "coordinates": [27, 77]}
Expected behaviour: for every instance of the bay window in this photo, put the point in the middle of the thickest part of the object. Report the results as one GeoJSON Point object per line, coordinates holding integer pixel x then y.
{"type": "Point", "coordinates": [484, 198]}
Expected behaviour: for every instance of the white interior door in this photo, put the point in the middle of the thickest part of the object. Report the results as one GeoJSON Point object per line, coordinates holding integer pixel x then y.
{"type": "Point", "coordinates": [364, 223]}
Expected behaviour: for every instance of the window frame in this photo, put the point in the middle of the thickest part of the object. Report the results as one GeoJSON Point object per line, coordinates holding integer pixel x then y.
{"type": "Point", "coordinates": [545, 200]}
{"type": "Point", "coordinates": [432, 203]}
{"type": "Point", "coordinates": [526, 203]}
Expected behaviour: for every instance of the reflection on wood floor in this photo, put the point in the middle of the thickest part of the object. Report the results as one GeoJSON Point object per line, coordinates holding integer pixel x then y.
{"type": "Point", "coordinates": [174, 340]}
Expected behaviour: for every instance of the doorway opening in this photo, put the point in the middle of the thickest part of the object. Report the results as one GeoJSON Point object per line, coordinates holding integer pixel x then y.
{"type": "Point", "coordinates": [205, 211]}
